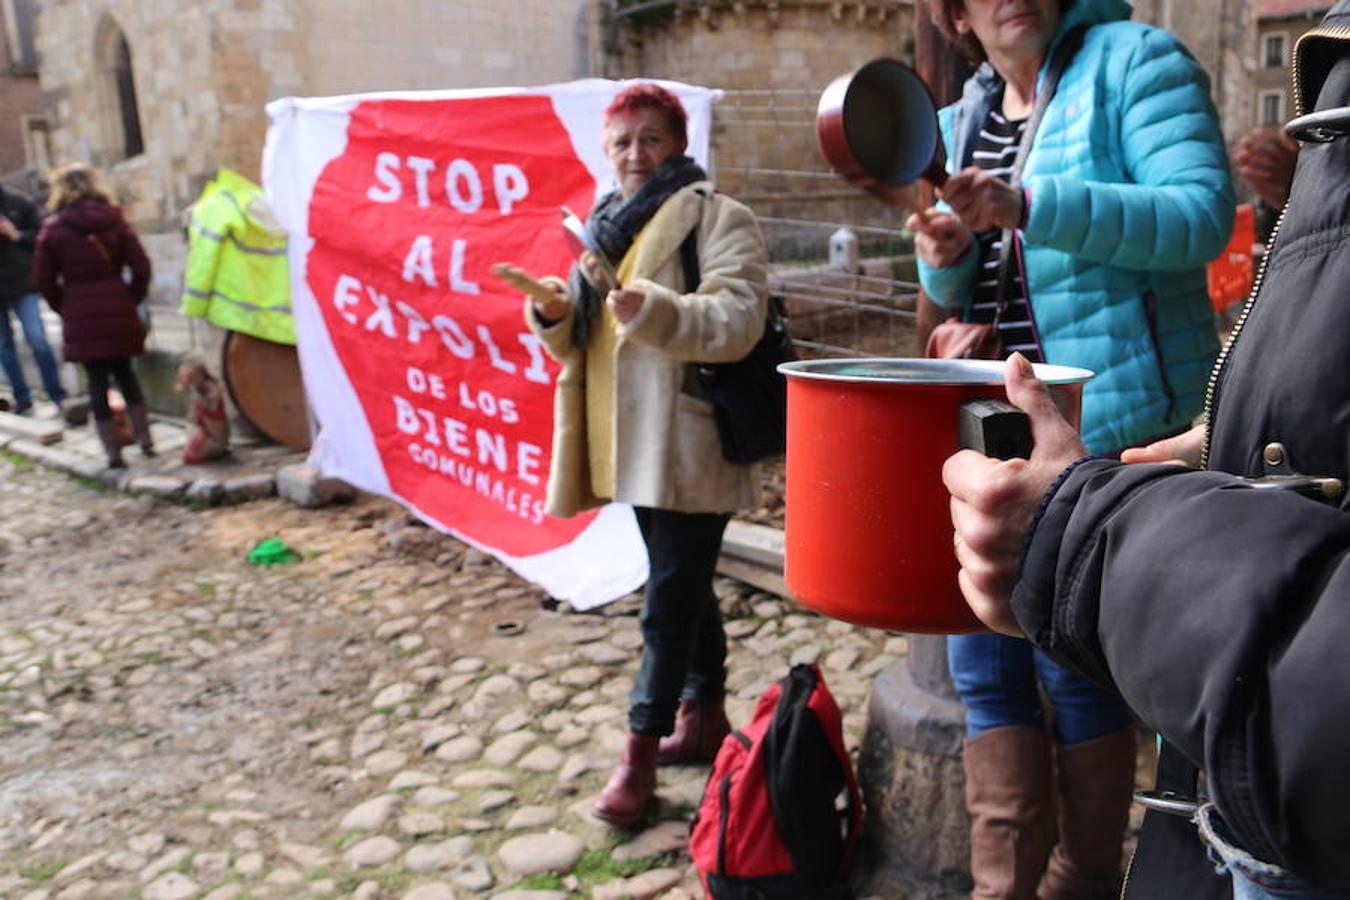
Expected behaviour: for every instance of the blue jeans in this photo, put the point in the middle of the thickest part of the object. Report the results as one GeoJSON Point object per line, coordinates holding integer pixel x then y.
{"type": "Point", "coordinates": [1252, 879]}
{"type": "Point", "coordinates": [29, 310]}
{"type": "Point", "coordinates": [996, 677]}
{"type": "Point", "coordinates": [684, 648]}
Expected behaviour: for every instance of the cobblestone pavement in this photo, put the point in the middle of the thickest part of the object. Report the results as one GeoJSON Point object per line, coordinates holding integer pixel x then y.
{"type": "Point", "coordinates": [396, 715]}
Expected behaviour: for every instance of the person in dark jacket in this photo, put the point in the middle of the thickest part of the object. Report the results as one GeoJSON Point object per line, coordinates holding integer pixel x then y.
{"type": "Point", "coordinates": [19, 223]}
{"type": "Point", "coordinates": [1215, 600]}
{"type": "Point", "coordinates": [1108, 228]}
{"type": "Point", "coordinates": [84, 252]}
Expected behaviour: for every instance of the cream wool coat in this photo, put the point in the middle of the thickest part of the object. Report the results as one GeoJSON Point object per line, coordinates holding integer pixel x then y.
{"type": "Point", "coordinates": [667, 453]}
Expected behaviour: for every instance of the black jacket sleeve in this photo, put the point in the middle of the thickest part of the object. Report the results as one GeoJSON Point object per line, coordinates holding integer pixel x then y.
{"type": "Point", "coordinates": [27, 221]}
{"type": "Point", "coordinates": [1222, 615]}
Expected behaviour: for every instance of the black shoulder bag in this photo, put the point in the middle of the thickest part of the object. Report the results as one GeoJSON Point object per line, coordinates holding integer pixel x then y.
{"type": "Point", "coordinates": [749, 396]}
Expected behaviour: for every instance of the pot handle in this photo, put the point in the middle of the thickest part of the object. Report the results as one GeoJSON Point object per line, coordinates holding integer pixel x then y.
{"type": "Point", "coordinates": [994, 428]}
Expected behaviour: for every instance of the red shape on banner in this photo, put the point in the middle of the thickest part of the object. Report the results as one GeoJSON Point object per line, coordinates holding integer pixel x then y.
{"type": "Point", "coordinates": [1233, 271]}
{"type": "Point", "coordinates": [407, 223]}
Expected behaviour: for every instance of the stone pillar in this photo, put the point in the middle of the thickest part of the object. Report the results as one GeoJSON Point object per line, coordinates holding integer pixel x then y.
{"type": "Point", "coordinates": [916, 842]}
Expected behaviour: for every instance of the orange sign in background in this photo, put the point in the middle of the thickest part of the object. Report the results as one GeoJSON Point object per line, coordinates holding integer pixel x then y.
{"type": "Point", "coordinates": [1231, 274]}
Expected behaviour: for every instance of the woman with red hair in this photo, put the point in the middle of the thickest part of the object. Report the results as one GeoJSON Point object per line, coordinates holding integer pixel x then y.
{"type": "Point", "coordinates": [631, 425]}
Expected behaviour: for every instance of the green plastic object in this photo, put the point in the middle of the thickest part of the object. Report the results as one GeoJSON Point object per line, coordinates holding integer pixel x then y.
{"type": "Point", "coordinates": [272, 552]}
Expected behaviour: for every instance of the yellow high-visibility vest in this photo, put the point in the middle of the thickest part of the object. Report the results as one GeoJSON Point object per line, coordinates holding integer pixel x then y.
{"type": "Point", "coordinates": [237, 276]}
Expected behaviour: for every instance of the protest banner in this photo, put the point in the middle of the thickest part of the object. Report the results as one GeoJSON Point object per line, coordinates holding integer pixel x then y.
{"type": "Point", "coordinates": [426, 383]}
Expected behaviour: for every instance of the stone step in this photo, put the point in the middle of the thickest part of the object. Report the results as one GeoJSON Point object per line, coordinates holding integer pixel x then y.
{"type": "Point", "coordinates": [754, 554]}
{"type": "Point", "coordinates": [43, 431]}
{"type": "Point", "coordinates": [753, 543]}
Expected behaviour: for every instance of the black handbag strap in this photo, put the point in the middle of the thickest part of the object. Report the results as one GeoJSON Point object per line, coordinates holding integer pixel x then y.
{"type": "Point", "coordinates": [689, 260]}
{"type": "Point", "coordinates": [1063, 54]}
{"type": "Point", "coordinates": [1170, 859]}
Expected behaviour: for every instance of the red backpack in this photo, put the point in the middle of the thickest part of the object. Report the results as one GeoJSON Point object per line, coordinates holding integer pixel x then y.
{"type": "Point", "coordinates": [771, 826]}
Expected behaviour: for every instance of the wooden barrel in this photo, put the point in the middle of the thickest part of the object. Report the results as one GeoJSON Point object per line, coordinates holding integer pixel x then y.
{"type": "Point", "coordinates": [264, 382]}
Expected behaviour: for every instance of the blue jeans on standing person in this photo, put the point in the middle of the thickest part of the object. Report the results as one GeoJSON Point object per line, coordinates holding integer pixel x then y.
{"type": "Point", "coordinates": [684, 647]}
{"type": "Point", "coordinates": [996, 676]}
{"type": "Point", "coordinates": [28, 308]}
{"type": "Point", "coordinates": [1252, 878]}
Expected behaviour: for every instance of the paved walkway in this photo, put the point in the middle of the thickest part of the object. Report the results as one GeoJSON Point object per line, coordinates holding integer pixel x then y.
{"type": "Point", "coordinates": [247, 473]}
{"type": "Point", "coordinates": [175, 723]}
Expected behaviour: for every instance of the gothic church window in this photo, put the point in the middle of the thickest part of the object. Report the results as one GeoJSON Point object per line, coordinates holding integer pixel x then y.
{"type": "Point", "coordinates": [19, 36]}
{"type": "Point", "coordinates": [119, 107]}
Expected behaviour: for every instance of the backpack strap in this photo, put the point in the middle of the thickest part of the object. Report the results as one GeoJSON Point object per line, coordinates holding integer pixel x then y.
{"type": "Point", "coordinates": [795, 743]}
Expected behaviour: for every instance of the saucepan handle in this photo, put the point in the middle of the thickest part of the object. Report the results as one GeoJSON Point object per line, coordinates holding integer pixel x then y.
{"type": "Point", "coordinates": [998, 430]}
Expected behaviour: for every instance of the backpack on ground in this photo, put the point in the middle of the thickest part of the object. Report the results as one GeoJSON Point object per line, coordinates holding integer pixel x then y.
{"type": "Point", "coordinates": [781, 814]}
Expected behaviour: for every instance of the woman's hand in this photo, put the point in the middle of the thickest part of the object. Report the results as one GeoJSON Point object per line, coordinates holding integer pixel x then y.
{"type": "Point", "coordinates": [594, 272]}
{"type": "Point", "coordinates": [993, 501]}
{"type": "Point", "coordinates": [625, 304]}
{"type": "Point", "coordinates": [1265, 159]}
{"type": "Point", "coordinates": [550, 300]}
{"type": "Point", "coordinates": [939, 238]}
{"type": "Point", "coordinates": [1183, 449]}
{"type": "Point", "coordinates": [983, 201]}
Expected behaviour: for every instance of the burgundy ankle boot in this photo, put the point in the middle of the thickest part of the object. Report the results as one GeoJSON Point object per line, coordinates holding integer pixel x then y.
{"type": "Point", "coordinates": [624, 800]}
{"type": "Point", "coordinates": [699, 730]}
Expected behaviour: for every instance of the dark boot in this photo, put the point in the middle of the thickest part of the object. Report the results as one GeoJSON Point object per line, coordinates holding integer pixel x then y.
{"type": "Point", "coordinates": [112, 442]}
{"type": "Point", "coordinates": [624, 800]}
{"type": "Point", "coordinates": [1011, 816]}
{"type": "Point", "coordinates": [140, 427]}
{"type": "Point", "coordinates": [699, 729]}
{"type": "Point", "coordinates": [1096, 781]}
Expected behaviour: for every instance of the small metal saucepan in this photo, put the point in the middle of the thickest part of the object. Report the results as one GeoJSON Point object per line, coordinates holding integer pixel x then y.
{"type": "Point", "coordinates": [880, 121]}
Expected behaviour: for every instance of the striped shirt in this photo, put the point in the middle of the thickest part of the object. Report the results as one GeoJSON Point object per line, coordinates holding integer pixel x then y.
{"type": "Point", "coordinates": [994, 152]}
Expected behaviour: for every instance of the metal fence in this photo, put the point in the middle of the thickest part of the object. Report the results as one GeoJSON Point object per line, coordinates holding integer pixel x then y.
{"type": "Point", "coordinates": [765, 154]}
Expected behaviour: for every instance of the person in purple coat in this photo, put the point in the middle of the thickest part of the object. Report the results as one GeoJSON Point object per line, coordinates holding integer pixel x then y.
{"type": "Point", "coordinates": [93, 271]}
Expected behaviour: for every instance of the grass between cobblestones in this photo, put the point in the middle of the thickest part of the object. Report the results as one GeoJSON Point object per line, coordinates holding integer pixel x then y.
{"type": "Point", "coordinates": [19, 462]}
{"type": "Point", "coordinates": [43, 872]}
{"type": "Point", "coordinates": [596, 867]}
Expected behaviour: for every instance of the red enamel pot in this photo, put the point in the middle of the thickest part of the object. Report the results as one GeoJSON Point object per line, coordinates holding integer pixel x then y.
{"type": "Point", "coordinates": [869, 532]}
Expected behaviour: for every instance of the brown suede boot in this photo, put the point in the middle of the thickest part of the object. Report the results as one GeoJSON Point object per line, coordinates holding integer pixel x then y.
{"type": "Point", "coordinates": [624, 799]}
{"type": "Point", "coordinates": [699, 729]}
{"type": "Point", "coordinates": [1011, 816]}
{"type": "Point", "coordinates": [140, 427]}
{"type": "Point", "coordinates": [1096, 781]}
{"type": "Point", "coordinates": [111, 441]}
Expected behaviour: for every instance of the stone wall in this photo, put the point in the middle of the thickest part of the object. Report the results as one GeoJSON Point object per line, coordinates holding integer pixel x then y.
{"type": "Point", "coordinates": [755, 45]}
{"type": "Point", "coordinates": [773, 59]}
{"type": "Point", "coordinates": [204, 71]}
{"type": "Point", "coordinates": [20, 96]}
{"type": "Point", "coordinates": [765, 46]}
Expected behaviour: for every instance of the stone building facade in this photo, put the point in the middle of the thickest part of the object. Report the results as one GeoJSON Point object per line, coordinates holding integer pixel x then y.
{"type": "Point", "coordinates": [1279, 25]}
{"type": "Point", "coordinates": [772, 58]}
{"type": "Point", "coordinates": [775, 56]}
{"type": "Point", "coordinates": [769, 56]}
{"type": "Point", "coordinates": [24, 141]}
{"type": "Point", "coordinates": [162, 93]}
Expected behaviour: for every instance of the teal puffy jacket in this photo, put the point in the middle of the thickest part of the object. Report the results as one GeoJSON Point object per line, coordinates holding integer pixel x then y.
{"type": "Point", "coordinates": [1130, 198]}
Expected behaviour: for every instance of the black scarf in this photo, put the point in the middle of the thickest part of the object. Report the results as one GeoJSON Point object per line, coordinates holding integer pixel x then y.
{"type": "Point", "coordinates": [614, 223]}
